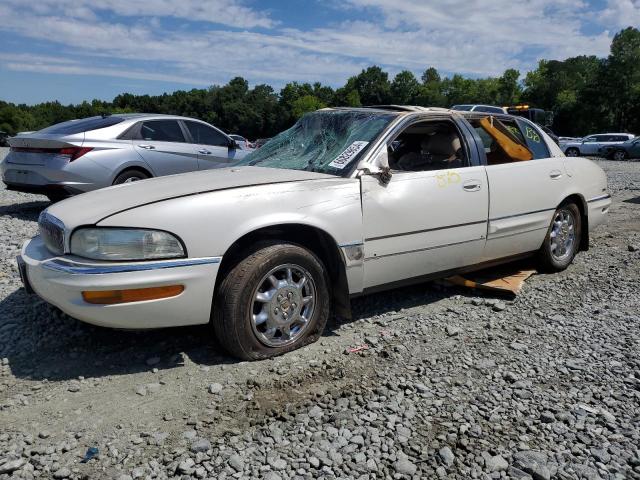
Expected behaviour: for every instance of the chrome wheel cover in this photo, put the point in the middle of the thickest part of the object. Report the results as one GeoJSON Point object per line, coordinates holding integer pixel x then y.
{"type": "Point", "coordinates": [282, 305]}
{"type": "Point", "coordinates": [563, 235]}
{"type": "Point", "coordinates": [619, 156]}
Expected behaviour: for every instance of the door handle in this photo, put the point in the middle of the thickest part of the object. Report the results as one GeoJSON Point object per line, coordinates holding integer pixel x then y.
{"type": "Point", "coordinates": [471, 186]}
{"type": "Point", "coordinates": [146, 146]}
{"type": "Point", "coordinates": [555, 174]}
{"type": "Point", "coordinates": [204, 152]}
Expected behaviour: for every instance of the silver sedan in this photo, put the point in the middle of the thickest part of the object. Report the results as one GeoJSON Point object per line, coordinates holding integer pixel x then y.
{"type": "Point", "coordinates": [82, 155]}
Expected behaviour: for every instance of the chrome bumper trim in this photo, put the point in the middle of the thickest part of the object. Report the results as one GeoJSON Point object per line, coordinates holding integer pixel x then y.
{"type": "Point", "coordinates": [74, 268]}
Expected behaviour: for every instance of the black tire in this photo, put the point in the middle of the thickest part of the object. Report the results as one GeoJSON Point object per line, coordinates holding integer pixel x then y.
{"type": "Point", "coordinates": [235, 303]}
{"type": "Point", "coordinates": [619, 155]}
{"type": "Point", "coordinates": [130, 176]}
{"type": "Point", "coordinates": [550, 259]}
{"type": "Point", "coordinates": [572, 152]}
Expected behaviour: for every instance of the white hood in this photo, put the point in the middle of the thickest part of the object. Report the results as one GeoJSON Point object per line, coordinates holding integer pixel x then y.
{"type": "Point", "coordinates": [89, 208]}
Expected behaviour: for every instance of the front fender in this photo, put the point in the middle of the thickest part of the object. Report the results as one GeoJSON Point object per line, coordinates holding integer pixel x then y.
{"type": "Point", "coordinates": [209, 223]}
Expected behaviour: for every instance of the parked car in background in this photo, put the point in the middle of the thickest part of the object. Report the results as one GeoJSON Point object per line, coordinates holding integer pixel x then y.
{"type": "Point", "coordinates": [479, 108]}
{"type": "Point", "coordinates": [345, 202]}
{"type": "Point", "coordinates": [260, 142]}
{"type": "Point", "coordinates": [4, 137]}
{"type": "Point", "coordinates": [242, 141]}
{"type": "Point", "coordinates": [593, 144]}
{"type": "Point", "coordinates": [82, 155]}
{"type": "Point", "coordinates": [622, 151]}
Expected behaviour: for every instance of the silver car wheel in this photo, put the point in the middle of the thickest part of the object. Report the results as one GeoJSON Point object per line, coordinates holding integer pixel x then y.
{"type": "Point", "coordinates": [572, 152]}
{"type": "Point", "coordinates": [562, 235]}
{"type": "Point", "coordinates": [619, 155]}
{"type": "Point", "coordinates": [283, 305]}
{"type": "Point", "coordinates": [132, 179]}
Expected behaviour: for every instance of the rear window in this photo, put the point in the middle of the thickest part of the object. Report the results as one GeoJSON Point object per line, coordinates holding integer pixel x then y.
{"type": "Point", "coordinates": [488, 109]}
{"type": "Point", "coordinates": [534, 140]}
{"type": "Point", "coordinates": [83, 125]}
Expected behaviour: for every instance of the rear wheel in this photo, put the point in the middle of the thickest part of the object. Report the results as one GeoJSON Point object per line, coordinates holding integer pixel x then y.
{"type": "Point", "coordinates": [129, 176]}
{"type": "Point", "coordinates": [619, 155]}
{"type": "Point", "coordinates": [572, 152]}
{"type": "Point", "coordinates": [562, 242]}
{"type": "Point", "coordinates": [274, 300]}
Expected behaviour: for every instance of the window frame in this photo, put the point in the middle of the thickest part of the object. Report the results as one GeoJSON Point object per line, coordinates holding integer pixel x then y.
{"type": "Point", "coordinates": [538, 130]}
{"type": "Point", "coordinates": [401, 128]}
{"type": "Point", "coordinates": [185, 127]}
{"type": "Point", "coordinates": [135, 132]}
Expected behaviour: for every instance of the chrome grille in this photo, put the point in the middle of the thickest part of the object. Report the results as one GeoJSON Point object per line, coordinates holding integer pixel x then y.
{"type": "Point", "coordinates": [52, 232]}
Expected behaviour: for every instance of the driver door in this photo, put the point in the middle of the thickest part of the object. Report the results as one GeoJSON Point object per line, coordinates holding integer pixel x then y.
{"type": "Point", "coordinates": [425, 221]}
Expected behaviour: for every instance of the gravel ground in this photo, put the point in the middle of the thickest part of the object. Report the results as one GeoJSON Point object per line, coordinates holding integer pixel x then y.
{"type": "Point", "coordinates": [452, 384]}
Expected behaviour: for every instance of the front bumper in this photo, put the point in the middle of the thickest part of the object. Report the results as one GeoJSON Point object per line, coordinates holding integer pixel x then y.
{"type": "Point", "coordinates": [60, 280]}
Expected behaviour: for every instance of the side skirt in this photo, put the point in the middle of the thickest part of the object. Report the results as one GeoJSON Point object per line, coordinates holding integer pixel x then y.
{"type": "Point", "coordinates": [443, 274]}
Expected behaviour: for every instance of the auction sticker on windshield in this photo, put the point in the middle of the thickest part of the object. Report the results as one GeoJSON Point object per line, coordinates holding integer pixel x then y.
{"type": "Point", "coordinates": [345, 157]}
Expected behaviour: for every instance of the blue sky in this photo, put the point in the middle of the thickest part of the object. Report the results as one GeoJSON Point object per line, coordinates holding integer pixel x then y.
{"type": "Point", "coordinates": [71, 50]}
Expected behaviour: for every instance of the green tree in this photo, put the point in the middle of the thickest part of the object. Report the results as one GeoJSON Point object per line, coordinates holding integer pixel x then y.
{"type": "Point", "coordinates": [404, 88]}
{"type": "Point", "coordinates": [373, 86]}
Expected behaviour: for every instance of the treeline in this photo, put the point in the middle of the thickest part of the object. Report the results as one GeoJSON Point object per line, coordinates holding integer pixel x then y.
{"type": "Point", "coordinates": [587, 94]}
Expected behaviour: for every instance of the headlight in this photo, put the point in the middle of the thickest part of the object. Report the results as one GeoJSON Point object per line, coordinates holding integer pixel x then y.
{"type": "Point", "coordinates": [125, 244]}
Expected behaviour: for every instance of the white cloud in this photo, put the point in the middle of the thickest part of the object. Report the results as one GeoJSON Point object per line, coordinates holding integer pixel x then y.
{"type": "Point", "coordinates": [622, 13]}
{"type": "Point", "coordinates": [224, 12]}
{"type": "Point", "coordinates": [467, 36]}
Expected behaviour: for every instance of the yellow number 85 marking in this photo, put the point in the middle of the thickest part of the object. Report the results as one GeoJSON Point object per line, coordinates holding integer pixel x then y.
{"type": "Point", "coordinates": [446, 179]}
{"type": "Point", "coordinates": [533, 135]}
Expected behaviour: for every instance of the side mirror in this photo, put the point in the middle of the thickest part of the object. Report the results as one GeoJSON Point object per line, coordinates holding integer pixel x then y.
{"type": "Point", "coordinates": [233, 144]}
{"type": "Point", "coordinates": [382, 173]}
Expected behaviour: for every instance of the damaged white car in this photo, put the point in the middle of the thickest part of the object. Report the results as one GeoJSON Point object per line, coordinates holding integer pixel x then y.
{"type": "Point", "coordinates": [345, 202]}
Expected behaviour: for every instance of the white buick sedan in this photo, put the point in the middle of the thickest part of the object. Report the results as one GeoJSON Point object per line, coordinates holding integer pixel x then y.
{"type": "Point", "coordinates": [345, 202]}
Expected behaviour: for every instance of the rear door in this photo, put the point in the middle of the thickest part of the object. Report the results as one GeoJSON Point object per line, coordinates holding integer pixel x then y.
{"type": "Point", "coordinates": [163, 145]}
{"type": "Point", "coordinates": [523, 196]}
{"type": "Point", "coordinates": [214, 147]}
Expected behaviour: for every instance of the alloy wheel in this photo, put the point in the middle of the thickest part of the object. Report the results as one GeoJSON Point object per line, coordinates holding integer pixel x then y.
{"type": "Point", "coordinates": [283, 305]}
{"type": "Point", "coordinates": [563, 234]}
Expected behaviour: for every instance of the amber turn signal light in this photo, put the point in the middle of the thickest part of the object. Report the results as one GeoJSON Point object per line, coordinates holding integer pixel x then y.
{"type": "Point", "coordinates": [110, 297]}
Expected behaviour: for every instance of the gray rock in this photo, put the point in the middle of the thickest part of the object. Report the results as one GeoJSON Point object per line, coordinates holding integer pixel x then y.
{"type": "Point", "coordinates": [64, 472]}
{"type": "Point", "coordinates": [200, 445]}
{"type": "Point", "coordinates": [447, 456]}
{"type": "Point", "coordinates": [496, 464]}
{"type": "Point", "coordinates": [405, 466]}
{"type": "Point", "coordinates": [215, 388]}
{"type": "Point", "coordinates": [236, 462]}
{"type": "Point", "coordinates": [12, 465]}
{"type": "Point", "coordinates": [533, 463]}
{"type": "Point", "coordinates": [452, 330]}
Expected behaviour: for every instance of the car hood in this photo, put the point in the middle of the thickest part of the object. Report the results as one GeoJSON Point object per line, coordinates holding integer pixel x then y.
{"type": "Point", "coordinates": [92, 207]}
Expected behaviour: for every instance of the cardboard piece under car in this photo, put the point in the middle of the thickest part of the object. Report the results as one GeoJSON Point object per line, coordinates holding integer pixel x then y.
{"type": "Point", "coordinates": [500, 280]}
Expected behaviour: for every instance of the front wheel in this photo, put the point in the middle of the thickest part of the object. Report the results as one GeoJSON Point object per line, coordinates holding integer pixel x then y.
{"type": "Point", "coordinates": [274, 300]}
{"type": "Point", "coordinates": [620, 155]}
{"type": "Point", "coordinates": [562, 242]}
{"type": "Point", "coordinates": [572, 152]}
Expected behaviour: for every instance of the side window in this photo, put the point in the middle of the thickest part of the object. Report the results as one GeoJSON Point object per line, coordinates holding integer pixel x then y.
{"type": "Point", "coordinates": [589, 139]}
{"type": "Point", "coordinates": [205, 135]}
{"type": "Point", "coordinates": [534, 140]}
{"type": "Point", "coordinates": [502, 140]}
{"type": "Point", "coordinates": [161, 131]}
{"type": "Point", "coordinates": [433, 145]}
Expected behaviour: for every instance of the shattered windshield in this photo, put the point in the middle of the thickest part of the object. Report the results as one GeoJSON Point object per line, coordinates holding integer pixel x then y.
{"type": "Point", "coordinates": [323, 141]}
